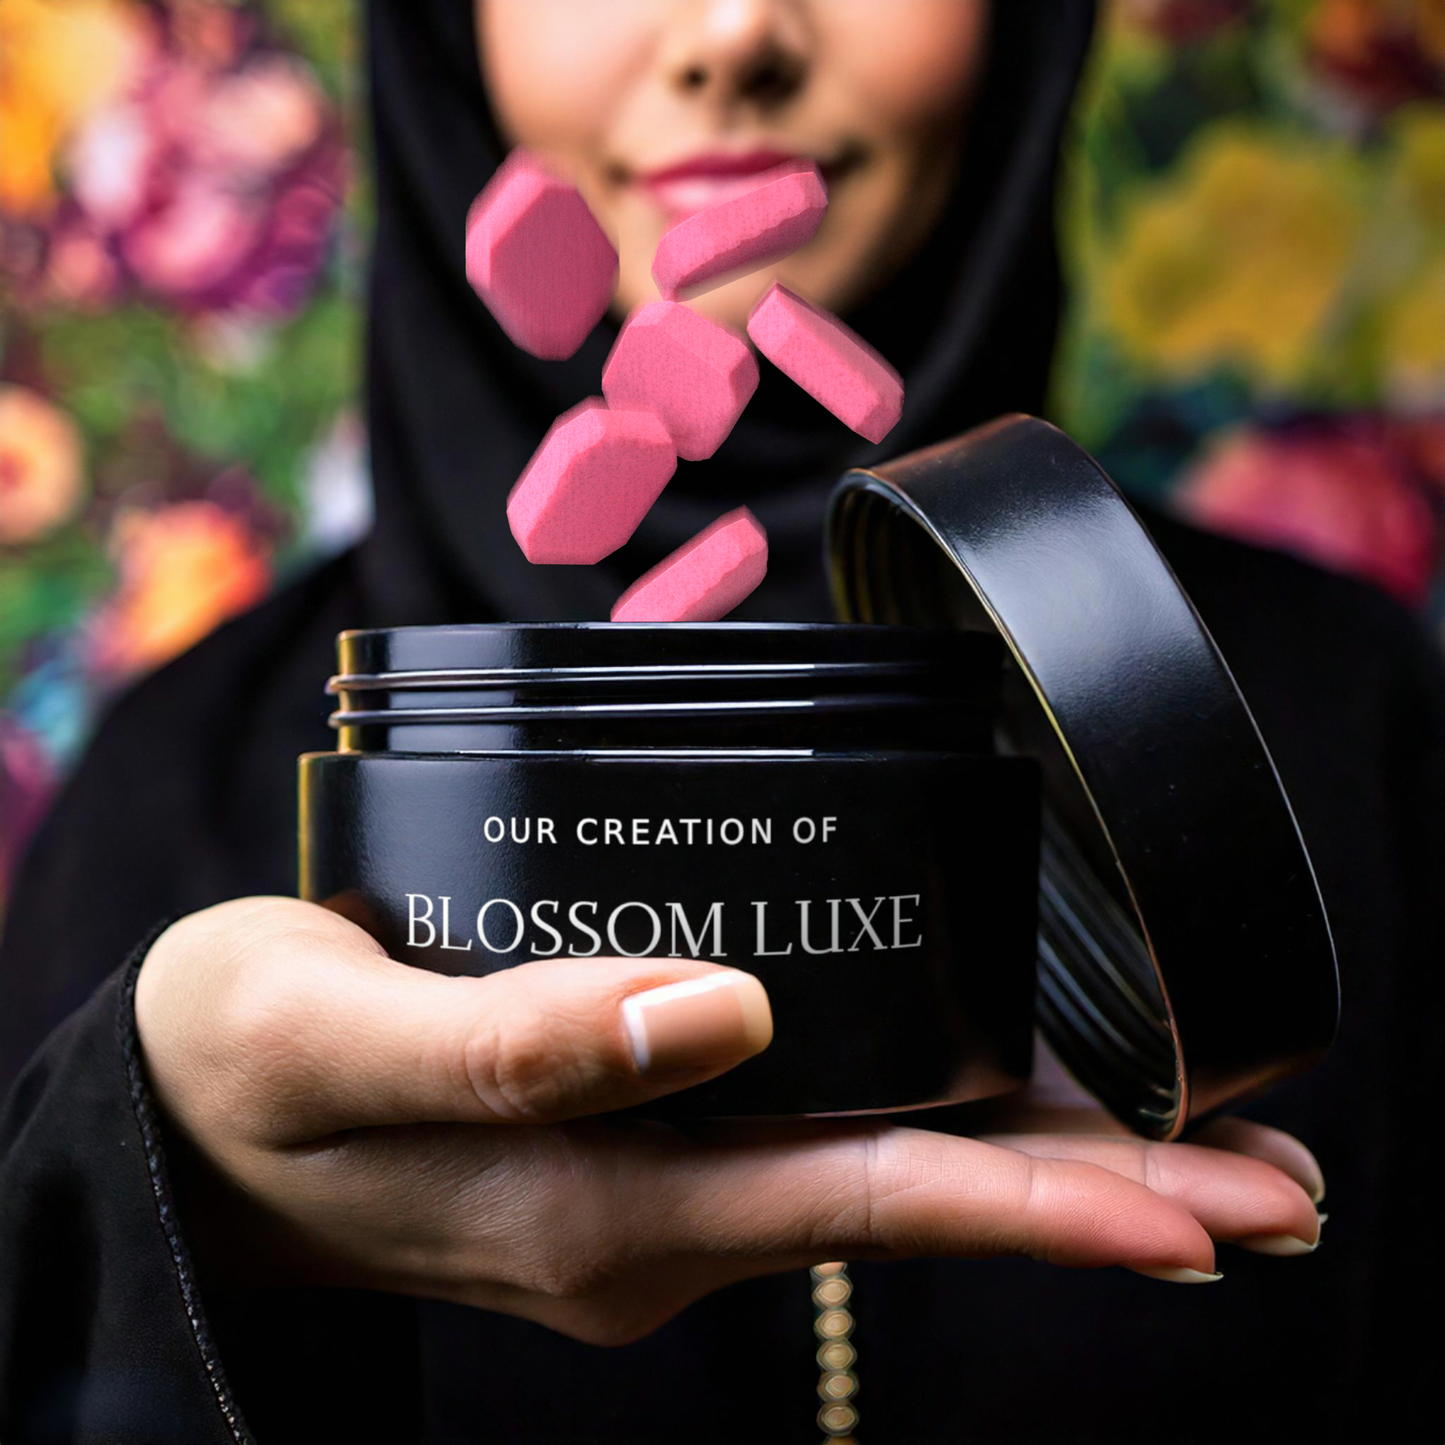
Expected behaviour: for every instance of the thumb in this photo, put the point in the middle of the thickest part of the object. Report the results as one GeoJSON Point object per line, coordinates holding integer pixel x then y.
{"type": "Point", "coordinates": [332, 1034]}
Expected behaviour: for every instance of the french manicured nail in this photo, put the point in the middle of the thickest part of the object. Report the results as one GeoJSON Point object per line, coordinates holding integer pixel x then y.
{"type": "Point", "coordinates": [722, 1018]}
{"type": "Point", "coordinates": [1282, 1246]}
{"type": "Point", "coordinates": [1177, 1274]}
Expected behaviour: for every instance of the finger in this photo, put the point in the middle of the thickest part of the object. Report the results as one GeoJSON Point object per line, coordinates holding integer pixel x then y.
{"type": "Point", "coordinates": [1236, 1197]}
{"type": "Point", "coordinates": [327, 1033]}
{"type": "Point", "coordinates": [885, 1192]}
{"type": "Point", "coordinates": [1274, 1146]}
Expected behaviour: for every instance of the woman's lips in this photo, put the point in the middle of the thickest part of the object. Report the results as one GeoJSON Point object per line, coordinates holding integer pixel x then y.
{"type": "Point", "coordinates": [706, 180]}
{"type": "Point", "coordinates": [749, 163]}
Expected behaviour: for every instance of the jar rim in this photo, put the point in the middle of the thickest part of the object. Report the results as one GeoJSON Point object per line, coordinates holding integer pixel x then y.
{"type": "Point", "coordinates": [656, 647]}
{"type": "Point", "coordinates": [570, 686]}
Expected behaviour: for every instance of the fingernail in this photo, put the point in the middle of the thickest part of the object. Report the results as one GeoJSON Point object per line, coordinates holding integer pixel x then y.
{"type": "Point", "coordinates": [722, 1018]}
{"type": "Point", "coordinates": [1304, 1169]}
{"type": "Point", "coordinates": [1313, 1182]}
{"type": "Point", "coordinates": [1177, 1274]}
{"type": "Point", "coordinates": [1282, 1246]}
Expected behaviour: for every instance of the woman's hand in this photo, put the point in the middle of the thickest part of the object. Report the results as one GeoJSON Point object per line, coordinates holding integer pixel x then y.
{"type": "Point", "coordinates": [345, 1119]}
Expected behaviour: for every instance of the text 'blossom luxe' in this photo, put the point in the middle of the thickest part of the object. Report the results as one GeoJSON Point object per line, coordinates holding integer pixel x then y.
{"type": "Point", "coordinates": [582, 929]}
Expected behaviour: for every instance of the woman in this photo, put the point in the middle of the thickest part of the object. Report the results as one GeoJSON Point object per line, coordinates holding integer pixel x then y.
{"type": "Point", "coordinates": [258, 1181]}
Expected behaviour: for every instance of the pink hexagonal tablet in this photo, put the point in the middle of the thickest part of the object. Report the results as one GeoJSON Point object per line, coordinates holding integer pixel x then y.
{"type": "Point", "coordinates": [829, 361]}
{"type": "Point", "coordinates": [590, 483]}
{"type": "Point", "coordinates": [704, 579]}
{"type": "Point", "coordinates": [776, 216]}
{"type": "Point", "coordinates": [538, 258]}
{"type": "Point", "coordinates": [692, 374]}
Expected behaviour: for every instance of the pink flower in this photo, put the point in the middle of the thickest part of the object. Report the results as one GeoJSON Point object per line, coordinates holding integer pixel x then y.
{"type": "Point", "coordinates": [261, 119]}
{"type": "Point", "coordinates": [211, 182]}
{"type": "Point", "coordinates": [194, 241]}
{"type": "Point", "coordinates": [1348, 494]}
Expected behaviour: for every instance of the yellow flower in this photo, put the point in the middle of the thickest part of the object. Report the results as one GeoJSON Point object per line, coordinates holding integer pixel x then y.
{"type": "Point", "coordinates": [1412, 329]}
{"type": "Point", "coordinates": [41, 465]}
{"type": "Point", "coordinates": [1418, 136]}
{"type": "Point", "coordinates": [1414, 340]}
{"type": "Point", "coordinates": [1237, 258]}
{"type": "Point", "coordinates": [59, 61]}
{"type": "Point", "coordinates": [183, 570]}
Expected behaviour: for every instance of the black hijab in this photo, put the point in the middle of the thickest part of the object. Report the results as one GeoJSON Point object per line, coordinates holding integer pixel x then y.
{"type": "Point", "coordinates": [456, 409]}
{"type": "Point", "coordinates": [162, 828]}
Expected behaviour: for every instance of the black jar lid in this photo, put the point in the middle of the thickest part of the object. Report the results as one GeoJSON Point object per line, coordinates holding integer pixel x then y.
{"type": "Point", "coordinates": [1185, 960]}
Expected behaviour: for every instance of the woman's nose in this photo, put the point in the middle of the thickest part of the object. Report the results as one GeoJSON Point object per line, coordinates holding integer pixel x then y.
{"type": "Point", "coordinates": [739, 51]}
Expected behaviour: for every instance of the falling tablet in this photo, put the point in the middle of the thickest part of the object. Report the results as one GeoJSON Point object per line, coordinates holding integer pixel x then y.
{"type": "Point", "coordinates": [694, 375]}
{"type": "Point", "coordinates": [829, 361]}
{"type": "Point", "coordinates": [590, 483]}
{"type": "Point", "coordinates": [538, 258]}
{"type": "Point", "coordinates": [778, 215]}
{"type": "Point", "coordinates": [704, 579]}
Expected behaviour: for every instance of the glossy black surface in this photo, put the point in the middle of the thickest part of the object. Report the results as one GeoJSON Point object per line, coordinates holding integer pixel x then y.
{"type": "Point", "coordinates": [562, 687]}
{"type": "Point", "coordinates": [698, 786]}
{"type": "Point", "coordinates": [1185, 956]}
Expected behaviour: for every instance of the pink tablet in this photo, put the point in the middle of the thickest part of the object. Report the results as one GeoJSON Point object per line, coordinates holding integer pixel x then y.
{"type": "Point", "coordinates": [692, 374]}
{"type": "Point", "coordinates": [704, 579]}
{"type": "Point", "coordinates": [776, 216]}
{"type": "Point", "coordinates": [590, 483]}
{"type": "Point", "coordinates": [538, 258]}
{"type": "Point", "coordinates": [830, 362]}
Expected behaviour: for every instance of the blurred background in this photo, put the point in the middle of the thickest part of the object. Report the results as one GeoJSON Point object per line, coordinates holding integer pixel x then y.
{"type": "Point", "coordinates": [1254, 230]}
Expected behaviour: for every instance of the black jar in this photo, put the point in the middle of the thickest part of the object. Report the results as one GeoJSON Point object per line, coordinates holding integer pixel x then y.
{"type": "Point", "coordinates": [820, 805]}
{"type": "Point", "coordinates": [994, 585]}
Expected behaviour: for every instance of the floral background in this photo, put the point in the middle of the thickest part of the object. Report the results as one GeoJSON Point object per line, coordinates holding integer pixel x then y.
{"type": "Point", "coordinates": [1254, 227]}
{"type": "Point", "coordinates": [1256, 234]}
